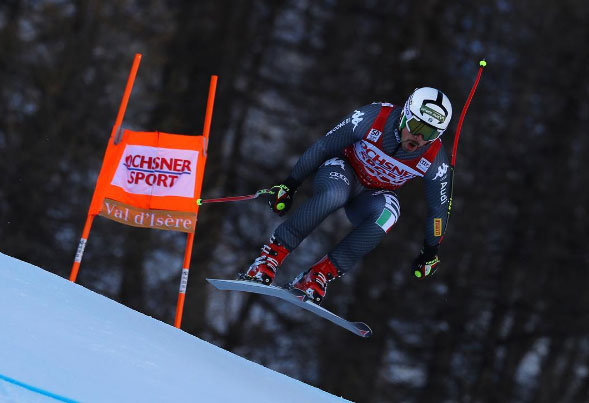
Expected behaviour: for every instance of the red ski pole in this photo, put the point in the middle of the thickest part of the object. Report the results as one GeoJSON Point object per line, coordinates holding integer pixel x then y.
{"type": "Point", "coordinates": [233, 198]}
{"type": "Point", "coordinates": [482, 65]}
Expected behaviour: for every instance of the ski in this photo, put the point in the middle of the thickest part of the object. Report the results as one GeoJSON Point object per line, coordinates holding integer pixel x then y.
{"type": "Point", "coordinates": [295, 297]}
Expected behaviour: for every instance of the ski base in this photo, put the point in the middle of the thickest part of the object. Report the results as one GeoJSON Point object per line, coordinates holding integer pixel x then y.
{"type": "Point", "coordinates": [294, 296]}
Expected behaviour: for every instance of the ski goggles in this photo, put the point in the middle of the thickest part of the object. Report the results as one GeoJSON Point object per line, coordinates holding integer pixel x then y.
{"type": "Point", "coordinates": [416, 126]}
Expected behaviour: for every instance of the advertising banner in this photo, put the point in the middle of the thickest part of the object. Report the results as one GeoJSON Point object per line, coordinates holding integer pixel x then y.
{"type": "Point", "coordinates": [151, 180]}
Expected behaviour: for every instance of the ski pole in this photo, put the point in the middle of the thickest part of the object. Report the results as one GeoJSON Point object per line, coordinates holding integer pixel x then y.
{"type": "Point", "coordinates": [482, 65]}
{"type": "Point", "coordinates": [234, 198]}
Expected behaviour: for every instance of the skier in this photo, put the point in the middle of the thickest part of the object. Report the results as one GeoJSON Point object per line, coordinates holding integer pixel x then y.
{"type": "Point", "coordinates": [359, 164]}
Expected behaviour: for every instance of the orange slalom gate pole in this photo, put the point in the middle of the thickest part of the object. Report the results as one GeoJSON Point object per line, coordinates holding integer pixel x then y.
{"type": "Point", "coordinates": [184, 279]}
{"type": "Point", "coordinates": [81, 247]}
{"type": "Point", "coordinates": [115, 130]}
{"type": "Point", "coordinates": [190, 238]}
{"type": "Point", "coordinates": [209, 112]}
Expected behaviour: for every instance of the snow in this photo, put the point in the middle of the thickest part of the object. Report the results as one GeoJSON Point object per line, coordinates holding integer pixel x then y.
{"type": "Point", "coordinates": [62, 342]}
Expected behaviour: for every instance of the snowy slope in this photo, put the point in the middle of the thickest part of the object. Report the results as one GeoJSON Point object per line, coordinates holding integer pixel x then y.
{"type": "Point", "coordinates": [60, 341]}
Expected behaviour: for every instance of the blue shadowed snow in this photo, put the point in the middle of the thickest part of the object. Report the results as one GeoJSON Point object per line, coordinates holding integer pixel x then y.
{"type": "Point", "coordinates": [62, 342]}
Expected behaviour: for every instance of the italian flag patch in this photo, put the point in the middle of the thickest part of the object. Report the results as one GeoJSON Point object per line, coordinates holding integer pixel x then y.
{"type": "Point", "coordinates": [386, 220]}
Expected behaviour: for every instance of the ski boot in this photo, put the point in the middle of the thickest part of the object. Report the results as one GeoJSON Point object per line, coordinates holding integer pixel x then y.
{"type": "Point", "coordinates": [313, 282]}
{"type": "Point", "coordinates": [263, 269]}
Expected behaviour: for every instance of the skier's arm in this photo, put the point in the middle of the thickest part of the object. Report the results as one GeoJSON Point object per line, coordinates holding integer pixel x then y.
{"type": "Point", "coordinates": [437, 183]}
{"type": "Point", "coordinates": [347, 132]}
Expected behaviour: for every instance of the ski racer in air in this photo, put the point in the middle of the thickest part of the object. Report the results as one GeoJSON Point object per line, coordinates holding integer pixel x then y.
{"type": "Point", "coordinates": [359, 165]}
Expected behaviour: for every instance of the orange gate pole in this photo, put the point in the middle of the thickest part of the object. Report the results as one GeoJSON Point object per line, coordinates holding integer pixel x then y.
{"type": "Point", "coordinates": [209, 112]}
{"type": "Point", "coordinates": [190, 237]}
{"type": "Point", "coordinates": [116, 129]}
{"type": "Point", "coordinates": [81, 247]}
{"type": "Point", "coordinates": [184, 279]}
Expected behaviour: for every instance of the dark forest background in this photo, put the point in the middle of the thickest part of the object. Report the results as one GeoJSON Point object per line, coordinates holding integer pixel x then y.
{"type": "Point", "coordinates": [505, 319]}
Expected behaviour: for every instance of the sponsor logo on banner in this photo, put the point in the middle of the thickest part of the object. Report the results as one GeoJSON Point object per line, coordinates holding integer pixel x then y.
{"type": "Point", "coordinates": [381, 167]}
{"type": "Point", "coordinates": [437, 227]}
{"type": "Point", "coordinates": [157, 171]}
{"type": "Point", "coordinates": [157, 219]}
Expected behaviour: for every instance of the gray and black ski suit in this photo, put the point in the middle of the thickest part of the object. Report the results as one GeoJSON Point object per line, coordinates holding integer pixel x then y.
{"type": "Point", "coordinates": [359, 164]}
